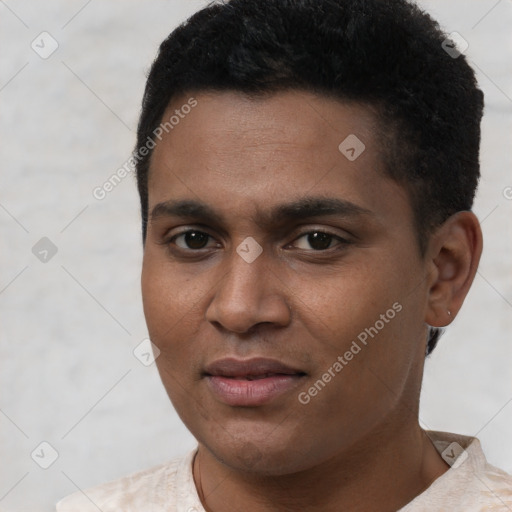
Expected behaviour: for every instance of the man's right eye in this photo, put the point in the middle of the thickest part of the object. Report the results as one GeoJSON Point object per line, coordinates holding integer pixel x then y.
{"type": "Point", "coordinates": [191, 239]}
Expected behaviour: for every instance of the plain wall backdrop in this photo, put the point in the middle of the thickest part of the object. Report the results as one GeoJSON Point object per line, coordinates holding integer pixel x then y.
{"type": "Point", "coordinates": [69, 324]}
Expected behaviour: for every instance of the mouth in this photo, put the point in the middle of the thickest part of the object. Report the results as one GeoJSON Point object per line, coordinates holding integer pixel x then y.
{"type": "Point", "coordinates": [250, 383]}
{"type": "Point", "coordinates": [257, 367]}
{"type": "Point", "coordinates": [257, 377]}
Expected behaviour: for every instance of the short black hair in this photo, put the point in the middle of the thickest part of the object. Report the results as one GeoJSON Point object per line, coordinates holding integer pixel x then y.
{"type": "Point", "coordinates": [387, 54]}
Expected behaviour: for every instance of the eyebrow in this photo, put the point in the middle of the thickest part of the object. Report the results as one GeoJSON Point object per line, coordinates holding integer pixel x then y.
{"type": "Point", "coordinates": [299, 209]}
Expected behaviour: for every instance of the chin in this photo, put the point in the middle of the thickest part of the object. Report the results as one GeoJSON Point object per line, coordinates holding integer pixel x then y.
{"type": "Point", "coordinates": [263, 459]}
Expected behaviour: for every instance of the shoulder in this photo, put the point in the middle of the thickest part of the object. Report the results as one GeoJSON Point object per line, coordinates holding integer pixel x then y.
{"type": "Point", "coordinates": [496, 488]}
{"type": "Point", "coordinates": [471, 484]}
{"type": "Point", "coordinates": [158, 486]}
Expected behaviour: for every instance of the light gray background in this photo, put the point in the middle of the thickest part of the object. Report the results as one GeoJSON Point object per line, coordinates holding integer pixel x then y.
{"type": "Point", "coordinates": [69, 326]}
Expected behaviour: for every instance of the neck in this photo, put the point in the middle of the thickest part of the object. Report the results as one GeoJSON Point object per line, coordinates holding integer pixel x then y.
{"type": "Point", "coordinates": [384, 472]}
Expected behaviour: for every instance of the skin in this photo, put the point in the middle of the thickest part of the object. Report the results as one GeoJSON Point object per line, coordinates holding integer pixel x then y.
{"type": "Point", "coordinates": [357, 444]}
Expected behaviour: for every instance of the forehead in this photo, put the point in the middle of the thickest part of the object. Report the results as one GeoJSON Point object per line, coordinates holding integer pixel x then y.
{"type": "Point", "coordinates": [290, 121]}
{"type": "Point", "coordinates": [237, 152]}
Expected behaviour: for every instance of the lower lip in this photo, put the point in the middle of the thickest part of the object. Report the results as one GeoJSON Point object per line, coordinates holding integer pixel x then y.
{"type": "Point", "coordinates": [242, 392]}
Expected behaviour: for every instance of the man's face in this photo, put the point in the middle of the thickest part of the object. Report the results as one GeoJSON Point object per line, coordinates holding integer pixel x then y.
{"type": "Point", "coordinates": [355, 296]}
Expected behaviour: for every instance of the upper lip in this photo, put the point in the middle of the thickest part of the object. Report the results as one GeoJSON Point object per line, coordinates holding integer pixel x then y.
{"type": "Point", "coordinates": [231, 367]}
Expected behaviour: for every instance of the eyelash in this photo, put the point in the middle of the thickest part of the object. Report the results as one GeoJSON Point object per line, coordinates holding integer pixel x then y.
{"type": "Point", "coordinates": [342, 241]}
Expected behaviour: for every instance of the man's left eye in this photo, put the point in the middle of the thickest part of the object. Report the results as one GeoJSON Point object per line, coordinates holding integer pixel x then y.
{"type": "Point", "coordinates": [321, 240]}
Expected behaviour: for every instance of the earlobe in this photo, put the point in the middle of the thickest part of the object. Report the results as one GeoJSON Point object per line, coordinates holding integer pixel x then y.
{"type": "Point", "coordinates": [454, 252]}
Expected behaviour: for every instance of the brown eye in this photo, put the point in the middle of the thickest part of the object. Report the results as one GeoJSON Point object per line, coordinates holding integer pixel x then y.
{"type": "Point", "coordinates": [192, 239]}
{"type": "Point", "coordinates": [320, 240]}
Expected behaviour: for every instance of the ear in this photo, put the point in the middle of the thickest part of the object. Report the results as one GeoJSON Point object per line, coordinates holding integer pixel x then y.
{"type": "Point", "coordinates": [453, 253]}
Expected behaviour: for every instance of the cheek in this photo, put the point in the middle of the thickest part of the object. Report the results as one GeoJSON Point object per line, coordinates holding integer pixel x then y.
{"type": "Point", "coordinates": [172, 313]}
{"type": "Point", "coordinates": [170, 299]}
{"type": "Point", "coordinates": [170, 308]}
{"type": "Point", "coordinates": [367, 317]}
{"type": "Point", "coordinates": [342, 305]}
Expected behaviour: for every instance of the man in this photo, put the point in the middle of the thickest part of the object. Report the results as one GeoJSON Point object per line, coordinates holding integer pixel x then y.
{"type": "Point", "coordinates": [306, 172]}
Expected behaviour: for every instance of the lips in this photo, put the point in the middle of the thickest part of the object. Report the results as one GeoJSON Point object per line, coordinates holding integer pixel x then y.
{"type": "Point", "coordinates": [256, 377]}
{"type": "Point", "coordinates": [250, 368]}
{"type": "Point", "coordinates": [251, 382]}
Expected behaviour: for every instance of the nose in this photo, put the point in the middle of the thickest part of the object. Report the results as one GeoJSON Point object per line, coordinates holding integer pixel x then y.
{"type": "Point", "coordinates": [248, 294]}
